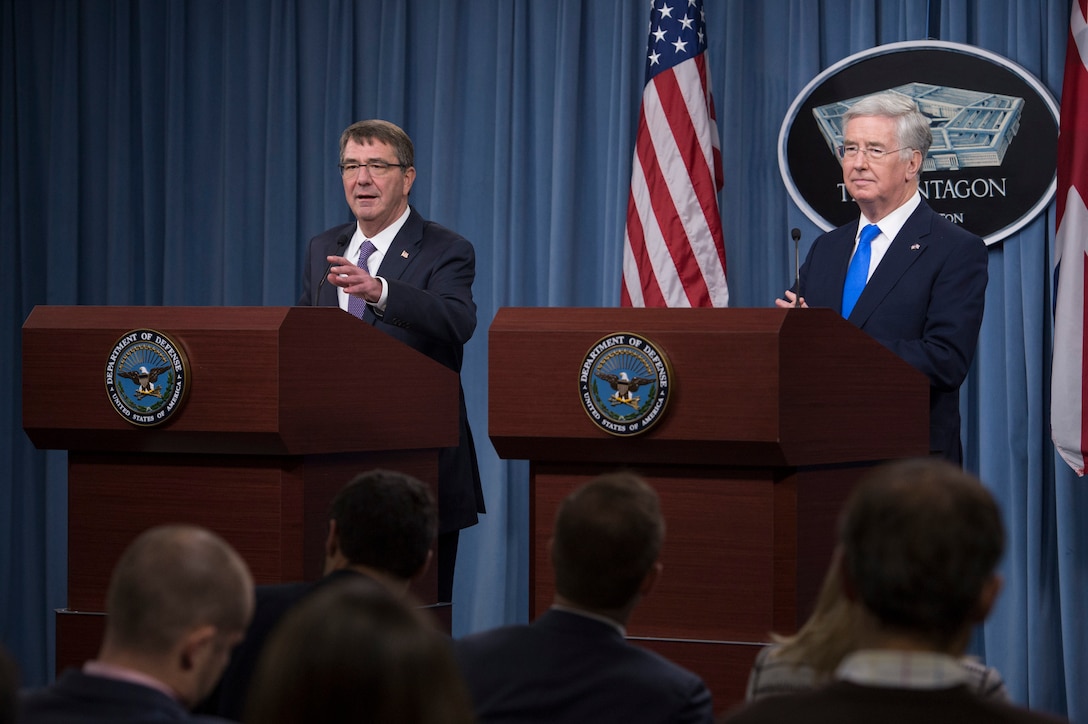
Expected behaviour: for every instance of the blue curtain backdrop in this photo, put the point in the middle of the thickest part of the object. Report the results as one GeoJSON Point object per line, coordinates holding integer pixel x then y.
{"type": "Point", "coordinates": [181, 153]}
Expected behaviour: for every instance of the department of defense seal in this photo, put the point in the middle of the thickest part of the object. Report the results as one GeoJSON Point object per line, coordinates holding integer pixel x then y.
{"type": "Point", "coordinates": [147, 377]}
{"type": "Point", "coordinates": [624, 384]}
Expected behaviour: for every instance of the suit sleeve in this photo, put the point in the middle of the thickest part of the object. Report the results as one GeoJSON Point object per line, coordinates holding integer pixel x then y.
{"type": "Point", "coordinates": [442, 308]}
{"type": "Point", "coordinates": [946, 346]}
{"type": "Point", "coordinates": [699, 707]}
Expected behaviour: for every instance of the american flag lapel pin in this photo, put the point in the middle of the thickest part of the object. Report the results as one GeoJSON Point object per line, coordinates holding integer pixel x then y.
{"type": "Point", "coordinates": [404, 254]}
{"type": "Point", "coordinates": [915, 247]}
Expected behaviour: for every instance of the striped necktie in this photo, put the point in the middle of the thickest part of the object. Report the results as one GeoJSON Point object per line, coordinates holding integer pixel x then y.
{"type": "Point", "coordinates": [356, 305]}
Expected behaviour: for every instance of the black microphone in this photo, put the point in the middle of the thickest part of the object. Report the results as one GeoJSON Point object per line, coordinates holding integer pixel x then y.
{"type": "Point", "coordinates": [795, 233]}
{"type": "Point", "coordinates": [341, 243]}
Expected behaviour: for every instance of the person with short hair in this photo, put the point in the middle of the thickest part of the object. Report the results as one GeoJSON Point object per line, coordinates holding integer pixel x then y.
{"type": "Point", "coordinates": [573, 663]}
{"type": "Point", "coordinates": [921, 284]}
{"type": "Point", "coordinates": [382, 526]}
{"type": "Point", "coordinates": [382, 523]}
{"type": "Point", "coordinates": [179, 599]}
{"type": "Point", "coordinates": [411, 279]}
{"type": "Point", "coordinates": [354, 652]}
{"type": "Point", "coordinates": [920, 542]}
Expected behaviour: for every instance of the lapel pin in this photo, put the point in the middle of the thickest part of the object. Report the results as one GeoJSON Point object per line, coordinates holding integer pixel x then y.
{"type": "Point", "coordinates": [404, 254]}
{"type": "Point", "coordinates": [915, 247]}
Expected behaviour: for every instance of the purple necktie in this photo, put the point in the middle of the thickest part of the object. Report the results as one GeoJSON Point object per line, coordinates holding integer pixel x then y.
{"type": "Point", "coordinates": [356, 305]}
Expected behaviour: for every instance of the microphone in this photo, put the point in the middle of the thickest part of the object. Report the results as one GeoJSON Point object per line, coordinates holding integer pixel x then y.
{"type": "Point", "coordinates": [341, 244]}
{"type": "Point", "coordinates": [795, 233]}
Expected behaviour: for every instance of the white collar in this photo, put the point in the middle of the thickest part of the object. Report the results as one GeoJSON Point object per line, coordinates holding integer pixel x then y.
{"type": "Point", "coordinates": [893, 222]}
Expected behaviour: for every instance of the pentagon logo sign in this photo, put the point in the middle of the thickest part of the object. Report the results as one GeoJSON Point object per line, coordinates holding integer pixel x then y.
{"type": "Point", "coordinates": [991, 168]}
{"type": "Point", "coordinates": [147, 377]}
{"type": "Point", "coordinates": [624, 384]}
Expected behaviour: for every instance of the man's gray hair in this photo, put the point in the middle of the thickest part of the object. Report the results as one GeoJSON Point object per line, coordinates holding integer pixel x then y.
{"type": "Point", "coordinates": [911, 125]}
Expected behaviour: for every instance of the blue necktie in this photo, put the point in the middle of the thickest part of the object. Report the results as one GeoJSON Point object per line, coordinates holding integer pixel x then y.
{"type": "Point", "coordinates": [355, 305]}
{"type": "Point", "coordinates": [858, 272]}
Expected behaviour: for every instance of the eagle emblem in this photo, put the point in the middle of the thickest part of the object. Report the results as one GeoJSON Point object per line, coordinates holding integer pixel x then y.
{"type": "Point", "coordinates": [624, 386]}
{"type": "Point", "coordinates": [615, 368]}
{"type": "Point", "coordinates": [146, 379]}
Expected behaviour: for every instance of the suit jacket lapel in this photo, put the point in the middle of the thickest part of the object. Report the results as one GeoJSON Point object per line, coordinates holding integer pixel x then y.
{"type": "Point", "coordinates": [908, 247]}
{"type": "Point", "coordinates": [843, 249]}
{"type": "Point", "coordinates": [398, 255]}
{"type": "Point", "coordinates": [404, 247]}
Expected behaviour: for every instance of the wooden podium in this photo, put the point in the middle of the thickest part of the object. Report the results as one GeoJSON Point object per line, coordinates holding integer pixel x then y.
{"type": "Point", "coordinates": [772, 416]}
{"type": "Point", "coordinates": [284, 406]}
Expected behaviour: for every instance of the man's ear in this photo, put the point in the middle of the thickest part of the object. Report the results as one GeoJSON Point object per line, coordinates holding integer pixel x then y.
{"type": "Point", "coordinates": [914, 168]}
{"type": "Point", "coordinates": [650, 579]}
{"type": "Point", "coordinates": [987, 597]}
{"type": "Point", "coordinates": [423, 568]}
{"type": "Point", "coordinates": [195, 647]}
{"type": "Point", "coordinates": [332, 540]}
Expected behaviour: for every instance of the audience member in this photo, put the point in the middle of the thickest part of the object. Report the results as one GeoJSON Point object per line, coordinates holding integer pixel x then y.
{"type": "Point", "coordinates": [902, 273]}
{"type": "Point", "coordinates": [920, 541]}
{"type": "Point", "coordinates": [382, 525]}
{"type": "Point", "coordinates": [573, 663]}
{"type": "Point", "coordinates": [809, 658]}
{"type": "Point", "coordinates": [411, 279]}
{"type": "Point", "coordinates": [355, 652]}
{"type": "Point", "coordinates": [179, 599]}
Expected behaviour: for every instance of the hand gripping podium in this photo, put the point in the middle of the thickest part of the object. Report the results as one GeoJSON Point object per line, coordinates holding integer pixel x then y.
{"type": "Point", "coordinates": [284, 406]}
{"type": "Point", "coordinates": [772, 416]}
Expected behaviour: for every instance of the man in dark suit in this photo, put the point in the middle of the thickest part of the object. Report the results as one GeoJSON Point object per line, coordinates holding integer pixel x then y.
{"type": "Point", "coordinates": [920, 542]}
{"type": "Point", "coordinates": [922, 279]}
{"type": "Point", "coordinates": [573, 663]}
{"type": "Point", "coordinates": [381, 526]}
{"type": "Point", "coordinates": [179, 600]}
{"type": "Point", "coordinates": [413, 282]}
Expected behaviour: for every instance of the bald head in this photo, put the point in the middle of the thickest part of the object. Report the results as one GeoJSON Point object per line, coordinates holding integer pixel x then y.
{"type": "Point", "coordinates": [170, 580]}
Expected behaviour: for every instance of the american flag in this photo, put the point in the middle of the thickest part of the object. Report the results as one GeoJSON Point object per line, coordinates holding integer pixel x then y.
{"type": "Point", "coordinates": [1067, 403]}
{"type": "Point", "coordinates": [674, 254]}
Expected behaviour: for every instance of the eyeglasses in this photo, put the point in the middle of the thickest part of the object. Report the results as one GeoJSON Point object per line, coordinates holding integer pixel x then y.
{"type": "Point", "coordinates": [377, 169]}
{"type": "Point", "coordinates": [872, 153]}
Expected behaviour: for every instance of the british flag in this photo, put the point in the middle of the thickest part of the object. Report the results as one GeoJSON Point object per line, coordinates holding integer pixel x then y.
{"type": "Point", "coordinates": [1068, 388]}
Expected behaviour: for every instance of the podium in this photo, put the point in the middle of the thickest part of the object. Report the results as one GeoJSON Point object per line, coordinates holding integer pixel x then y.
{"type": "Point", "coordinates": [278, 416]}
{"type": "Point", "coordinates": [772, 416]}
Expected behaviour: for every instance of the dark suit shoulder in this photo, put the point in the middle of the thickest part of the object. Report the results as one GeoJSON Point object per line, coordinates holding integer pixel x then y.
{"type": "Point", "coordinates": [78, 698]}
{"type": "Point", "coordinates": [329, 237]}
{"type": "Point", "coordinates": [941, 227]}
{"type": "Point", "coordinates": [434, 229]}
{"type": "Point", "coordinates": [452, 244]}
{"type": "Point", "coordinates": [565, 667]}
